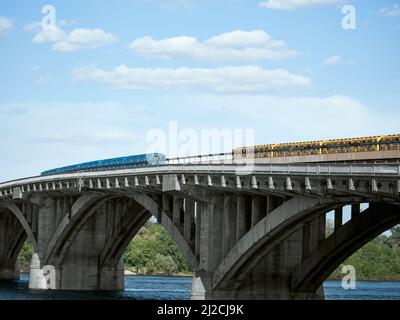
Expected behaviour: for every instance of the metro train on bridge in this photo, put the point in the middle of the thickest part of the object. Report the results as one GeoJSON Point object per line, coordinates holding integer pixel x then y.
{"type": "Point", "coordinates": [141, 160]}
{"type": "Point", "coordinates": [337, 146]}
{"type": "Point", "coordinates": [375, 148]}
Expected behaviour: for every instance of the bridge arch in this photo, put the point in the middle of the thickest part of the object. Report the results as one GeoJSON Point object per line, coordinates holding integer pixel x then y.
{"type": "Point", "coordinates": [126, 222]}
{"type": "Point", "coordinates": [13, 208]}
{"type": "Point", "coordinates": [341, 244]}
{"type": "Point", "coordinates": [82, 209]}
{"type": "Point", "coordinates": [267, 234]}
{"type": "Point", "coordinates": [14, 230]}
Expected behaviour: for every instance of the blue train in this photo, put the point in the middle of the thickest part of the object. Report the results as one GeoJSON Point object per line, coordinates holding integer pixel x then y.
{"type": "Point", "coordinates": [141, 160]}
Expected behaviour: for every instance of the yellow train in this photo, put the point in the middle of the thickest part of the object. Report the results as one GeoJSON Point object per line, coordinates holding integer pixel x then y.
{"type": "Point", "coordinates": [324, 147]}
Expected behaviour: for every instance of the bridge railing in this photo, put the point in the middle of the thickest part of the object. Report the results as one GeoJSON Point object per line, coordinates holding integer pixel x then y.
{"type": "Point", "coordinates": [324, 169]}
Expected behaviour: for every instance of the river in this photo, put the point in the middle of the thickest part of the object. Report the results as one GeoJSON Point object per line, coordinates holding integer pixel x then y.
{"type": "Point", "coordinates": [177, 288]}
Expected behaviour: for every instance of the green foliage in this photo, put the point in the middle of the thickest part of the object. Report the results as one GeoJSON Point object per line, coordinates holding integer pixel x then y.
{"type": "Point", "coordinates": [379, 259]}
{"type": "Point", "coordinates": [153, 251]}
{"type": "Point", "coordinates": [25, 256]}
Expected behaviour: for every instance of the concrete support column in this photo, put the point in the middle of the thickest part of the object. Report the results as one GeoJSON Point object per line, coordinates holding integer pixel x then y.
{"type": "Point", "coordinates": [35, 218]}
{"type": "Point", "coordinates": [46, 224]}
{"type": "Point", "coordinates": [10, 273]}
{"type": "Point", "coordinates": [204, 252]}
{"type": "Point", "coordinates": [112, 278]}
{"type": "Point", "coordinates": [189, 222]}
{"type": "Point", "coordinates": [197, 292]}
{"type": "Point", "coordinates": [273, 203]}
{"type": "Point", "coordinates": [258, 209]}
{"type": "Point", "coordinates": [198, 230]}
{"type": "Point", "coordinates": [37, 280]}
{"type": "Point", "coordinates": [317, 231]}
{"type": "Point", "coordinates": [177, 213]}
{"type": "Point", "coordinates": [59, 211]}
{"type": "Point", "coordinates": [338, 218]}
{"type": "Point", "coordinates": [166, 205]}
{"type": "Point", "coordinates": [217, 231]}
{"type": "Point", "coordinates": [321, 227]}
{"type": "Point", "coordinates": [355, 210]}
{"type": "Point", "coordinates": [306, 240]}
{"type": "Point", "coordinates": [229, 223]}
{"type": "Point", "coordinates": [241, 228]}
{"type": "Point", "coordinates": [270, 206]}
{"type": "Point", "coordinates": [210, 217]}
{"type": "Point", "coordinates": [206, 212]}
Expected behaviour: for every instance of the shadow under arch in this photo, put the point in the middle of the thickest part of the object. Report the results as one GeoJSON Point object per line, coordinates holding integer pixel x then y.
{"type": "Point", "coordinates": [71, 224]}
{"type": "Point", "coordinates": [15, 230]}
{"type": "Point", "coordinates": [142, 207]}
{"type": "Point", "coordinates": [341, 244]}
{"type": "Point", "coordinates": [117, 245]}
{"type": "Point", "coordinates": [11, 207]}
{"type": "Point", "coordinates": [260, 241]}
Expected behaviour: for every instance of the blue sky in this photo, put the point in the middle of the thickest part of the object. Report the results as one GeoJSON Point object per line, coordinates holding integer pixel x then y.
{"type": "Point", "coordinates": [97, 82]}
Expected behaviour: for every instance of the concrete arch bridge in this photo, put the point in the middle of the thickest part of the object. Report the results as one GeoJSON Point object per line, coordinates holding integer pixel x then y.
{"type": "Point", "coordinates": [257, 233]}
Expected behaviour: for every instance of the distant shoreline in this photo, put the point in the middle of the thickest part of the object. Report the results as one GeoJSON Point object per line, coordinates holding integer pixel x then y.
{"type": "Point", "coordinates": [379, 279]}
{"type": "Point", "coordinates": [188, 275]}
{"type": "Point", "coordinates": [131, 273]}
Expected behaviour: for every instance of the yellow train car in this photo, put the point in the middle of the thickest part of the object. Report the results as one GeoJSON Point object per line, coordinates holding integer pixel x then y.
{"type": "Point", "coordinates": [374, 146]}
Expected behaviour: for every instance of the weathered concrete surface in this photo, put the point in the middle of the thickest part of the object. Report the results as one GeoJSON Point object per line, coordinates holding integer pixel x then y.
{"type": "Point", "coordinates": [255, 236]}
{"type": "Point", "coordinates": [331, 252]}
{"type": "Point", "coordinates": [197, 292]}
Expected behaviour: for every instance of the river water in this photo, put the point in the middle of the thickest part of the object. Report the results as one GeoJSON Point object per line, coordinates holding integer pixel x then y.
{"type": "Point", "coordinates": [178, 288]}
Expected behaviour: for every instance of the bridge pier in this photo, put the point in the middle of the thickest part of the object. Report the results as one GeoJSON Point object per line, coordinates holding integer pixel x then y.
{"type": "Point", "coordinates": [10, 273]}
{"type": "Point", "coordinates": [258, 287]}
{"type": "Point", "coordinates": [197, 292]}
{"type": "Point", "coordinates": [84, 249]}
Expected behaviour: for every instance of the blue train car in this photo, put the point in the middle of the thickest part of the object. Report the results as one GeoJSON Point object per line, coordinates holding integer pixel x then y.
{"type": "Point", "coordinates": [141, 160]}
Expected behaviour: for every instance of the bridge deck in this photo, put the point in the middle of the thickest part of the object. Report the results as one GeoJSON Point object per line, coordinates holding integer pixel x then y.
{"type": "Point", "coordinates": [218, 168]}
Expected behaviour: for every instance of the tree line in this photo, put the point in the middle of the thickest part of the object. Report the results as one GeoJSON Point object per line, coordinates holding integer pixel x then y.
{"type": "Point", "coordinates": [153, 251]}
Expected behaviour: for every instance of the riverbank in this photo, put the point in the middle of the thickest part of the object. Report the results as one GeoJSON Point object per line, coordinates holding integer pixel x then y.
{"type": "Point", "coordinates": [128, 272]}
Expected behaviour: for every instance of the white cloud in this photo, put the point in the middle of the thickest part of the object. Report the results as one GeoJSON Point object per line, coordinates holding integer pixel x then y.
{"type": "Point", "coordinates": [235, 45]}
{"type": "Point", "coordinates": [6, 25]}
{"type": "Point", "coordinates": [49, 34]}
{"type": "Point", "coordinates": [394, 11]}
{"type": "Point", "coordinates": [246, 79]}
{"type": "Point", "coordinates": [296, 4]}
{"type": "Point", "coordinates": [64, 23]}
{"type": "Point", "coordinates": [333, 60]}
{"type": "Point", "coordinates": [77, 39]}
